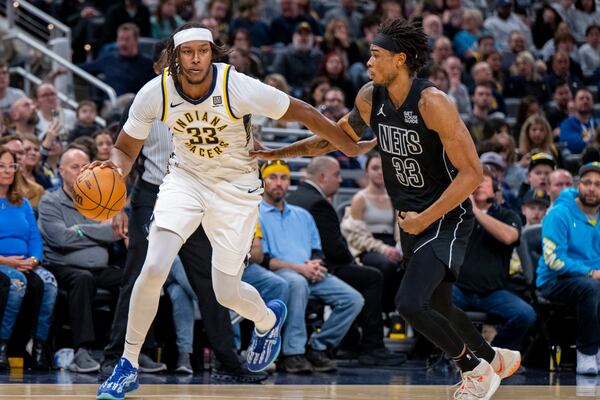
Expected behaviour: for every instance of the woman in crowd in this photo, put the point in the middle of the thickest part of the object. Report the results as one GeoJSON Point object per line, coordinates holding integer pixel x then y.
{"type": "Point", "coordinates": [20, 255]}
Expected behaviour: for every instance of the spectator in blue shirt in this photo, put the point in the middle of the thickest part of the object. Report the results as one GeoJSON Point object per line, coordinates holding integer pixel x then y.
{"type": "Point", "coordinates": [569, 270]}
{"type": "Point", "coordinates": [20, 255]}
{"type": "Point", "coordinates": [579, 130]}
{"type": "Point", "coordinates": [292, 248]}
{"type": "Point", "coordinates": [126, 71]}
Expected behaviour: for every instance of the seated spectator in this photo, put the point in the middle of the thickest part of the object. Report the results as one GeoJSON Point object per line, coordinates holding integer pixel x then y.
{"type": "Point", "coordinates": [568, 270]}
{"type": "Point", "coordinates": [20, 255]}
{"type": "Point", "coordinates": [558, 180]}
{"type": "Point", "coordinates": [516, 45]}
{"type": "Point", "coordinates": [337, 39]}
{"type": "Point", "coordinates": [131, 12]}
{"type": "Point", "coordinates": [540, 166]}
{"type": "Point", "coordinates": [316, 94]}
{"type": "Point", "coordinates": [589, 53]}
{"type": "Point", "coordinates": [504, 22]}
{"type": "Point", "coordinates": [23, 113]}
{"type": "Point", "coordinates": [165, 19]}
{"type": "Point", "coordinates": [482, 284]}
{"type": "Point", "coordinates": [524, 79]}
{"type": "Point", "coordinates": [34, 169]}
{"type": "Point", "coordinates": [497, 166]}
{"type": "Point", "coordinates": [372, 231]}
{"type": "Point", "coordinates": [8, 95]}
{"type": "Point", "coordinates": [322, 182]}
{"type": "Point", "coordinates": [545, 24]}
{"type": "Point", "coordinates": [558, 110]}
{"type": "Point", "coordinates": [560, 70]}
{"type": "Point", "coordinates": [242, 40]}
{"type": "Point", "coordinates": [86, 120]}
{"type": "Point", "coordinates": [499, 75]}
{"type": "Point", "coordinates": [300, 61]}
{"type": "Point", "coordinates": [333, 105]}
{"type": "Point", "coordinates": [49, 109]}
{"type": "Point", "coordinates": [579, 130]}
{"type": "Point", "coordinates": [76, 252]}
{"type": "Point", "coordinates": [240, 59]}
{"type": "Point", "coordinates": [278, 81]}
{"type": "Point", "coordinates": [221, 11]}
{"type": "Point", "coordinates": [30, 190]}
{"type": "Point", "coordinates": [433, 28]}
{"type": "Point", "coordinates": [104, 144]}
{"type": "Point", "coordinates": [182, 298]}
{"type": "Point", "coordinates": [442, 49]}
{"type": "Point", "coordinates": [458, 91]}
{"type": "Point", "coordinates": [332, 67]}
{"type": "Point", "coordinates": [295, 255]}
{"type": "Point", "coordinates": [483, 110]}
{"type": "Point", "coordinates": [350, 11]}
{"type": "Point", "coordinates": [585, 14]}
{"type": "Point", "coordinates": [126, 70]}
{"type": "Point", "coordinates": [358, 71]}
{"type": "Point", "coordinates": [536, 137]}
{"type": "Point", "coordinates": [482, 74]}
{"type": "Point", "coordinates": [465, 41]}
{"type": "Point", "coordinates": [249, 19]}
{"type": "Point", "coordinates": [535, 205]}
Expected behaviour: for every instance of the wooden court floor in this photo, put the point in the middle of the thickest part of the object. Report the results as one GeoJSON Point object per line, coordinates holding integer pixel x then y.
{"type": "Point", "coordinates": [291, 392]}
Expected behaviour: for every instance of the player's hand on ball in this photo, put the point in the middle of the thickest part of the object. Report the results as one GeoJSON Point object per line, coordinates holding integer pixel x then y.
{"type": "Point", "coordinates": [410, 222]}
{"type": "Point", "coordinates": [102, 164]}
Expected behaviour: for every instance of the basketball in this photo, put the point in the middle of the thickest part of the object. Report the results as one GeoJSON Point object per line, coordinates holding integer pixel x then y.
{"type": "Point", "coordinates": [99, 193]}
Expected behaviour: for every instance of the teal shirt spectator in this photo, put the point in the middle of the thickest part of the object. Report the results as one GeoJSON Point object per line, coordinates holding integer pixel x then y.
{"type": "Point", "coordinates": [164, 30]}
{"type": "Point", "coordinates": [290, 235]}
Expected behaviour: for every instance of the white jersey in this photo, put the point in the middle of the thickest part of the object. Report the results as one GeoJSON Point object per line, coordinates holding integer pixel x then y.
{"type": "Point", "coordinates": [211, 135]}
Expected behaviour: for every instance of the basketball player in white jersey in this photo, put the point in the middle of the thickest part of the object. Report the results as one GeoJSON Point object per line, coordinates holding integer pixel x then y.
{"type": "Point", "coordinates": [212, 180]}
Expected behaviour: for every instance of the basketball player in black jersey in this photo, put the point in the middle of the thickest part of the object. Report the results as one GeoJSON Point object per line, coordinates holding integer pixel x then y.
{"type": "Point", "coordinates": [430, 168]}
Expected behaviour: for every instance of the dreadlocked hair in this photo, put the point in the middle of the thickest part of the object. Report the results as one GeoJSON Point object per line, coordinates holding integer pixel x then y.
{"type": "Point", "coordinates": [411, 39]}
{"type": "Point", "coordinates": [169, 56]}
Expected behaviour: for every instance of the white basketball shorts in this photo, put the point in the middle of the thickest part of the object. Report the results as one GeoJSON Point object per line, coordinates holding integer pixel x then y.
{"type": "Point", "coordinates": [228, 211]}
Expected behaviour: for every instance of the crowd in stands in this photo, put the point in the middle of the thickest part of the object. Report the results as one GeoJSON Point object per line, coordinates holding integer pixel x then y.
{"type": "Point", "coordinates": [524, 76]}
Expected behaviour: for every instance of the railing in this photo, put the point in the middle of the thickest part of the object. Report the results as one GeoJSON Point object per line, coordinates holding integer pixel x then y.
{"type": "Point", "coordinates": [69, 66]}
{"type": "Point", "coordinates": [29, 77]}
{"type": "Point", "coordinates": [30, 18]}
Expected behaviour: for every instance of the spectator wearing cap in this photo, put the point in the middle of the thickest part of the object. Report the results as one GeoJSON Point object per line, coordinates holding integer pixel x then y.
{"type": "Point", "coordinates": [504, 22]}
{"type": "Point", "coordinates": [558, 180]}
{"type": "Point", "coordinates": [496, 164]}
{"type": "Point", "coordinates": [540, 166]}
{"type": "Point", "coordinates": [580, 129]}
{"type": "Point", "coordinates": [484, 276]}
{"type": "Point", "coordinates": [535, 205]}
{"type": "Point", "coordinates": [569, 270]}
{"type": "Point", "coordinates": [300, 61]}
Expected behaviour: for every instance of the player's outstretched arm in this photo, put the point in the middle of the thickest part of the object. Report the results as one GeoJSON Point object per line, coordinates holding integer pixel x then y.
{"type": "Point", "coordinates": [123, 154]}
{"type": "Point", "coordinates": [439, 114]}
{"type": "Point", "coordinates": [352, 125]}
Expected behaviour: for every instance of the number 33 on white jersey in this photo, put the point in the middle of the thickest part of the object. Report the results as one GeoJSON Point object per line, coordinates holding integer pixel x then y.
{"type": "Point", "coordinates": [212, 135]}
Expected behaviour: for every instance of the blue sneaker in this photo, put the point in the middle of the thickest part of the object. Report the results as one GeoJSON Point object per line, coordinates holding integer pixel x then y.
{"type": "Point", "coordinates": [124, 379]}
{"type": "Point", "coordinates": [264, 349]}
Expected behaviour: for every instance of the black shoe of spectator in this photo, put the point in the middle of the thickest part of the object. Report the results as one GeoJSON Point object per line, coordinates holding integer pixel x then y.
{"type": "Point", "coordinates": [381, 357]}
{"type": "Point", "coordinates": [320, 360]}
{"type": "Point", "coordinates": [39, 356]}
{"type": "Point", "coordinates": [3, 355]}
{"type": "Point", "coordinates": [239, 375]}
{"type": "Point", "coordinates": [106, 369]}
{"type": "Point", "coordinates": [297, 364]}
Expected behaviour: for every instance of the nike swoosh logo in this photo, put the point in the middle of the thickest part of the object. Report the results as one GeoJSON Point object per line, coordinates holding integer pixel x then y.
{"type": "Point", "coordinates": [176, 105]}
{"type": "Point", "coordinates": [254, 190]}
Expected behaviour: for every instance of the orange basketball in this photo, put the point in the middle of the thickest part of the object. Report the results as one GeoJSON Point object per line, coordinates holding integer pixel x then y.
{"type": "Point", "coordinates": [99, 193]}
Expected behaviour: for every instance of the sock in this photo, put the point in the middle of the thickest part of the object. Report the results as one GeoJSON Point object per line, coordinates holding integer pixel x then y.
{"type": "Point", "coordinates": [485, 351]}
{"type": "Point", "coordinates": [132, 353]}
{"type": "Point", "coordinates": [466, 361]}
{"type": "Point", "coordinates": [264, 325]}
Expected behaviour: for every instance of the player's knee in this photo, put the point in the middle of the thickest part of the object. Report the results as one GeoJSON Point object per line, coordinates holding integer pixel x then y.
{"type": "Point", "coordinates": [226, 297]}
{"type": "Point", "coordinates": [408, 307]}
{"type": "Point", "coordinates": [153, 274]}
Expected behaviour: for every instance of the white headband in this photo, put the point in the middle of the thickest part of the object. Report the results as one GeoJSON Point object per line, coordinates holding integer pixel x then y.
{"type": "Point", "coordinates": [188, 35]}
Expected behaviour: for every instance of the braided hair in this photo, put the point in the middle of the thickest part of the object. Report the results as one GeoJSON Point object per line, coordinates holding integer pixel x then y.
{"type": "Point", "coordinates": [169, 56]}
{"type": "Point", "coordinates": [411, 39]}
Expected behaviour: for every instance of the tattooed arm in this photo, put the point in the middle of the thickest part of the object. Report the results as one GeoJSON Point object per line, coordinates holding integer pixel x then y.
{"type": "Point", "coordinates": [353, 124]}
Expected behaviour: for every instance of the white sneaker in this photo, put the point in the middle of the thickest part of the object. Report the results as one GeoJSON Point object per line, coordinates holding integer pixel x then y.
{"type": "Point", "coordinates": [586, 365]}
{"type": "Point", "coordinates": [478, 384]}
{"type": "Point", "coordinates": [506, 362]}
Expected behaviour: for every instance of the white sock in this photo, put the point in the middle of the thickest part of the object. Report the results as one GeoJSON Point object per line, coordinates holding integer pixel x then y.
{"type": "Point", "coordinates": [265, 324]}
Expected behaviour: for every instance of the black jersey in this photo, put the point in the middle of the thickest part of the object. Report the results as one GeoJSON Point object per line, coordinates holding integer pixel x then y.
{"type": "Point", "coordinates": [415, 166]}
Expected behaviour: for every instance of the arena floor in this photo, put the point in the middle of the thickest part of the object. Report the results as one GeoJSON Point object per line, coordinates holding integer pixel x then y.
{"type": "Point", "coordinates": [410, 382]}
